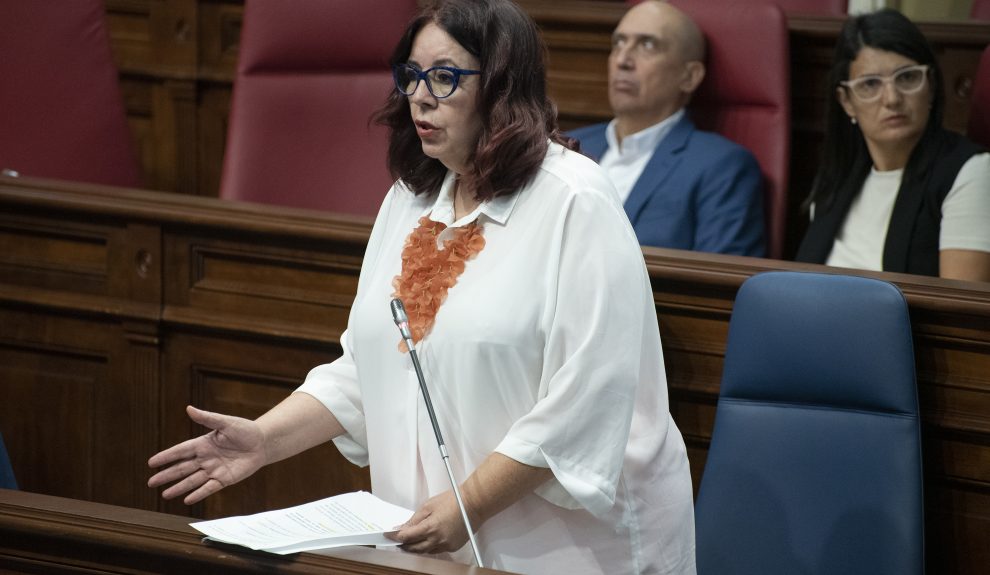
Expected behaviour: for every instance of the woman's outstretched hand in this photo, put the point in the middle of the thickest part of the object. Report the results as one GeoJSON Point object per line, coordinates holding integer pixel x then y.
{"type": "Point", "coordinates": [233, 451]}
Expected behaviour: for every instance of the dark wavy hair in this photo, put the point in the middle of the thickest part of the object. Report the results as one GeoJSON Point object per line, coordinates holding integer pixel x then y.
{"type": "Point", "coordinates": [845, 159]}
{"type": "Point", "coordinates": [517, 116]}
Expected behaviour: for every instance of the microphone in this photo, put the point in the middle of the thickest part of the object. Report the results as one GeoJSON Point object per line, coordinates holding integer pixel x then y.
{"type": "Point", "coordinates": [402, 322]}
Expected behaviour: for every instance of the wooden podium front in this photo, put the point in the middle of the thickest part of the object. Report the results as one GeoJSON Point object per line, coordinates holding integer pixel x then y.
{"type": "Point", "coordinates": [47, 534]}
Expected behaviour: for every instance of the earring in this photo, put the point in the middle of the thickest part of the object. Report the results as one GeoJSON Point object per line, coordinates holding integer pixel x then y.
{"type": "Point", "coordinates": [853, 120]}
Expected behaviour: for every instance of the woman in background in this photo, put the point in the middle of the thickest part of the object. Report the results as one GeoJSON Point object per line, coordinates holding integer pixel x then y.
{"type": "Point", "coordinates": [896, 191]}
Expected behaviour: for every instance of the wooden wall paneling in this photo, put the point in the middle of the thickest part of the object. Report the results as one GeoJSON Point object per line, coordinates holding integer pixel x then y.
{"type": "Point", "coordinates": [155, 46]}
{"type": "Point", "coordinates": [578, 39]}
{"type": "Point", "coordinates": [244, 376]}
{"type": "Point", "coordinates": [130, 26]}
{"type": "Point", "coordinates": [812, 47]}
{"type": "Point", "coordinates": [213, 123]}
{"type": "Point", "coordinates": [957, 46]}
{"type": "Point", "coordinates": [219, 38]}
{"type": "Point", "coordinates": [692, 331]}
{"type": "Point", "coordinates": [79, 300]}
{"type": "Point", "coordinates": [137, 93]}
{"type": "Point", "coordinates": [176, 104]}
{"type": "Point", "coordinates": [247, 317]}
{"type": "Point", "coordinates": [52, 369]}
{"type": "Point", "coordinates": [220, 28]}
{"type": "Point", "coordinates": [129, 23]}
{"type": "Point", "coordinates": [953, 356]}
{"type": "Point", "coordinates": [256, 296]}
{"type": "Point", "coordinates": [250, 284]}
{"type": "Point", "coordinates": [73, 261]}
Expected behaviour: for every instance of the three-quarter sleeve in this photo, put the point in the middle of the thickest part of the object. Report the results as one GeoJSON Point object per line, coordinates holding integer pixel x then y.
{"type": "Point", "coordinates": [335, 385]}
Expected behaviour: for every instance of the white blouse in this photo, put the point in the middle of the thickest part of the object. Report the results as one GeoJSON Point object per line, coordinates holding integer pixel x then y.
{"type": "Point", "coordinates": [546, 350]}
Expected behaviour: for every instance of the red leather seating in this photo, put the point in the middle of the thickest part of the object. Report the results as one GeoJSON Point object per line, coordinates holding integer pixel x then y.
{"type": "Point", "coordinates": [309, 76]}
{"type": "Point", "coordinates": [814, 7]}
{"type": "Point", "coordinates": [980, 10]}
{"type": "Point", "coordinates": [746, 93]}
{"type": "Point", "coordinates": [61, 111]}
{"type": "Point", "coordinates": [807, 7]}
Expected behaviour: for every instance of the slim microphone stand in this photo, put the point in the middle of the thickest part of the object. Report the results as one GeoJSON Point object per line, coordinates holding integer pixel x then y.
{"type": "Point", "coordinates": [401, 320]}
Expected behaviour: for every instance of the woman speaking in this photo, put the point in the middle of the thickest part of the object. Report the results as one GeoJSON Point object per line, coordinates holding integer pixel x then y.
{"type": "Point", "coordinates": [533, 316]}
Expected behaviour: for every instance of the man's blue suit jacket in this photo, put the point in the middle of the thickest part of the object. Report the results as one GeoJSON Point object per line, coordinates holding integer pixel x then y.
{"type": "Point", "coordinates": [699, 191]}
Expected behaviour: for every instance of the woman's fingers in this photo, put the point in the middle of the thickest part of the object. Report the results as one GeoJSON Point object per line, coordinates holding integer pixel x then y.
{"type": "Point", "coordinates": [186, 449]}
{"type": "Point", "coordinates": [209, 487]}
{"type": "Point", "coordinates": [173, 473]}
{"type": "Point", "coordinates": [412, 533]}
{"type": "Point", "coordinates": [207, 419]}
{"type": "Point", "coordinates": [423, 533]}
{"type": "Point", "coordinates": [178, 452]}
{"type": "Point", "coordinates": [201, 466]}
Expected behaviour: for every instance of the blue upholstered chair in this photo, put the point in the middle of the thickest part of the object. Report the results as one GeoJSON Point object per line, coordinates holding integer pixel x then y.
{"type": "Point", "coordinates": [815, 460]}
{"type": "Point", "coordinates": [7, 480]}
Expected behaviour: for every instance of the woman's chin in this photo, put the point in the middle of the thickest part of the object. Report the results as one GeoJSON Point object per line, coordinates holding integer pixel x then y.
{"type": "Point", "coordinates": [432, 150]}
{"type": "Point", "coordinates": [438, 154]}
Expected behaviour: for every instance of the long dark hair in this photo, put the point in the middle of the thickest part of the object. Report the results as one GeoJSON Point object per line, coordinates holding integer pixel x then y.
{"type": "Point", "coordinates": [846, 160]}
{"type": "Point", "coordinates": [518, 117]}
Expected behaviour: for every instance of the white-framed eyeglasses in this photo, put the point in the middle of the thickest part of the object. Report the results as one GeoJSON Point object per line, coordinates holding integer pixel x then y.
{"type": "Point", "coordinates": [908, 80]}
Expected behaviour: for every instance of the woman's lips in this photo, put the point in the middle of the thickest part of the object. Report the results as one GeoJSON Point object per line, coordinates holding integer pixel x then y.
{"type": "Point", "coordinates": [425, 129]}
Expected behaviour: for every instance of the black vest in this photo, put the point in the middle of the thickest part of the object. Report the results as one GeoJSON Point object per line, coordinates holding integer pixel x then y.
{"type": "Point", "coordinates": [911, 245]}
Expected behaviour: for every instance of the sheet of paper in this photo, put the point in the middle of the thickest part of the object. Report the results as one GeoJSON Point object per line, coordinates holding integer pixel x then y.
{"type": "Point", "coordinates": [357, 518]}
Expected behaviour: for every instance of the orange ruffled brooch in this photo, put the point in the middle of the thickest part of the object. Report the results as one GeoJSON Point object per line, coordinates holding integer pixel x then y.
{"type": "Point", "coordinates": [428, 272]}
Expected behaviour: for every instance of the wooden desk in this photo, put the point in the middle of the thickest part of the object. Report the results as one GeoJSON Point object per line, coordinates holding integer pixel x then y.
{"type": "Point", "coordinates": [45, 534]}
{"type": "Point", "coordinates": [119, 307]}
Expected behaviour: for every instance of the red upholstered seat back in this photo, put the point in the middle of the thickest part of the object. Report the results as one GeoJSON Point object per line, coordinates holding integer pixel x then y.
{"type": "Point", "coordinates": [309, 76]}
{"type": "Point", "coordinates": [817, 7]}
{"type": "Point", "coordinates": [980, 10]}
{"type": "Point", "coordinates": [812, 7]}
{"type": "Point", "coordinates": [978, 129]}
{"type": "Point", "coordinates": [61, 111]}
{"type": "Point", "coordinates": [746, 94]}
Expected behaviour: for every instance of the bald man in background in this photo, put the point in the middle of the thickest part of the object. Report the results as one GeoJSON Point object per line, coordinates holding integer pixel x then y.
{"type": "Point", "coordinates": [681, 187]}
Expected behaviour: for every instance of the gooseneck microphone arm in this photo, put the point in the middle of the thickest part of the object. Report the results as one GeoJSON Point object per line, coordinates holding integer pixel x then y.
{"type": "Point", "coordinates": [402, 321]}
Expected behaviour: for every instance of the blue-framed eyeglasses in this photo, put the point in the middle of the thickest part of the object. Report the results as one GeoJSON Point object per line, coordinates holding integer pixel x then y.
{"type": "Point", "coordinates": [441, 81]}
